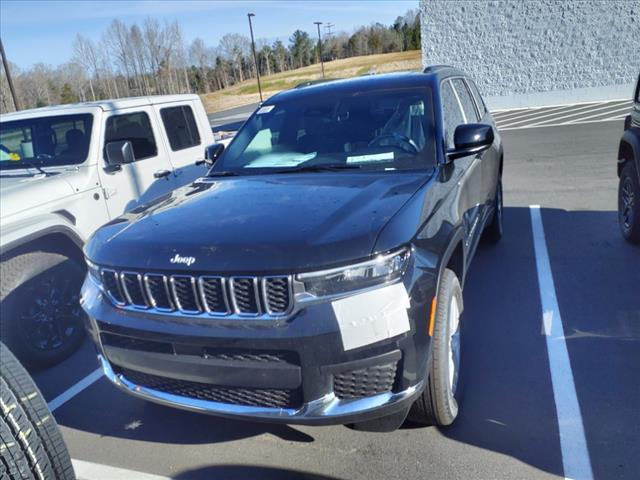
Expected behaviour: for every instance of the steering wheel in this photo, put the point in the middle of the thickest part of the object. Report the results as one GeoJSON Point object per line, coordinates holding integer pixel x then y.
{"type": "Point", "coordinates": [402, 140]}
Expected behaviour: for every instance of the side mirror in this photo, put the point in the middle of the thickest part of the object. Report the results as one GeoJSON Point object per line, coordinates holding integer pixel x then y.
{"type": "Point", "coordinates": [119, 153]}
{"type": "Point", "coordinates": [211, 154]}
{"type": "Point", "coordinates": [469, 139]}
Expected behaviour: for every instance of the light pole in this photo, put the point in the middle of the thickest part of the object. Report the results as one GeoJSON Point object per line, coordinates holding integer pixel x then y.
{"type": "Point", "coordinates": [320, 47]}
{"type": "Point", "coordinates": [255, 58]}
{"type": "Point", "coordinates": [8, 74]}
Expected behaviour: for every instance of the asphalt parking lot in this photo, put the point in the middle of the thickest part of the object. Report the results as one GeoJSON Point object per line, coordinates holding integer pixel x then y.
{"type": "Point", "coordinates": [508, 426]}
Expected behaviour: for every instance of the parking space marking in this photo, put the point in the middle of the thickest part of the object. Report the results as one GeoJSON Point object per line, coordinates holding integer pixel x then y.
{"type": "Point", "coordinates": [546, 113]}
{"type": "Point", "coordinates": [562, 115]}
{"type": "Point", "coordinates": [573, 444]}
{"type": "Point", "coordinates": [71, 392]}
{"type": "Point", "coordinates": [618, 111]}
{"type": "Point", "coordinates": [95, 471]}
{"type": "Point", "coordinates": [578, 112]}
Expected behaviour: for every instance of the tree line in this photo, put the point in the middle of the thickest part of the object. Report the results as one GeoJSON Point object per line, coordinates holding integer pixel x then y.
{"type": "Point", "coordinates": [153, 59]}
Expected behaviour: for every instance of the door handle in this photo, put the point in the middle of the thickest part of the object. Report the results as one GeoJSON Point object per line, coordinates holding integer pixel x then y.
{"type": "Point", "coordinates": [162, 173]}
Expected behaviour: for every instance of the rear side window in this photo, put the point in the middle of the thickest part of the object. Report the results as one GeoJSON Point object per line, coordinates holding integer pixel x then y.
{"type": "Point", "coordinates": [469, 108]}
{"type": "Point", "coordinates": [476, 94]}
{"type": "Point", "coordinates": [136, 128]}
{"type": "Point", "coordinates": [451, 111]}
{"type": "Point", "coordinates": [181, 128]}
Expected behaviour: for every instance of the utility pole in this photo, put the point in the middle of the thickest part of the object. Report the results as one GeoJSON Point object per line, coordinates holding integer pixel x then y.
{"type": "Point", "coordinates": [328, 28]}
{"type": "Point", "coordinates": [320, 47]}
{"type": "Point", "coordinates": [255, 58]}
{"type": "Point", "coordinates": [5, 63]}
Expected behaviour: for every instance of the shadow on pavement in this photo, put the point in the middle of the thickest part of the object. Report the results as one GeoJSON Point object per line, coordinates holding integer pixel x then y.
{"type": "Point", "coordinates": [243, 472]}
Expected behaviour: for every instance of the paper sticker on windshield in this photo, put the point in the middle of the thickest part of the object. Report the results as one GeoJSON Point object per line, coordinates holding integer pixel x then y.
{"type": "Point", "coordinates": [374, 157]}
{"type": "Point", "coordinates": [265, 109]}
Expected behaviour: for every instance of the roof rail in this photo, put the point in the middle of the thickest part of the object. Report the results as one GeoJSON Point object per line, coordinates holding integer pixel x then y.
{"type": "Point", "coordinates": [435, 68]}
{"type": "Point", "coordinates": [308, 83]}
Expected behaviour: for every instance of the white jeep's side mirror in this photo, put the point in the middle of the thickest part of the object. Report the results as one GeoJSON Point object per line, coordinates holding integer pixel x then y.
{"type": "Point", "coordinates": [118, 153]}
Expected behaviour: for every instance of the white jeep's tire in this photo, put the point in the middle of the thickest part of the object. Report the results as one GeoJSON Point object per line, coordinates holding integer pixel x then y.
{"type": "Point", "coordinates": [41, 320]}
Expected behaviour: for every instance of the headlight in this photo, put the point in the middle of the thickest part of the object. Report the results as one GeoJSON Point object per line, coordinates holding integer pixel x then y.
{"type": "Point", "coordinates": [94, 272]}
{"type": "Point", "coordinates": [382, 269]}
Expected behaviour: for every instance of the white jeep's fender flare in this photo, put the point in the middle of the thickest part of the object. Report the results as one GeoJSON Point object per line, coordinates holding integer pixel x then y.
{"type": "Point", "coordinates": [23, 232]}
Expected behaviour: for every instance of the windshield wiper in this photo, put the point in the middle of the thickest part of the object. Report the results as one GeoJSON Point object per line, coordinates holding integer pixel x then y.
{"type": "Point", "coordinates": [36, 167]}
{"type": "Point", "coordinates": [327, 167]}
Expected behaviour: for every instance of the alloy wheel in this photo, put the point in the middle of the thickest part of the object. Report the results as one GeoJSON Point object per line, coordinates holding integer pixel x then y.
{"type": "Point", "coordinates": [628, 203]}
{"type": "Point", "coordinates": [454, 343]}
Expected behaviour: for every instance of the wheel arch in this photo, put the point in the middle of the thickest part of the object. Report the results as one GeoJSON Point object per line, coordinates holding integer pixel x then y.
{"type": "Point", "coordinates": [54, 239]}
{"type": "Point", "coordinates": [629, 151]}
{"type": "Point", "coordinates": [454, 257]}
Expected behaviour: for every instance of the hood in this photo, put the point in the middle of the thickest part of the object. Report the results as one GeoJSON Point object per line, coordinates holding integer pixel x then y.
{"type": "Point", "coordinates": [268, 223]}
{"type": "Point", "coordinates": [19, 192]}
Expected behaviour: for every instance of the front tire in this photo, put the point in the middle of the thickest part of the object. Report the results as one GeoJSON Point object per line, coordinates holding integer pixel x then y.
{"type": "Point", "coordinates": [41, 321]}
{"type": "Point", "coordinates": [629, 204]}
{"type": "Point", "coordinates": [438, 403]}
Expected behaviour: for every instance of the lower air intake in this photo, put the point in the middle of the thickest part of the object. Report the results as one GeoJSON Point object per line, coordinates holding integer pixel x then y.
{"type": "Point", "coordinates": [365, 382]}
{"type": "Point", "coordinates": [253, 397]}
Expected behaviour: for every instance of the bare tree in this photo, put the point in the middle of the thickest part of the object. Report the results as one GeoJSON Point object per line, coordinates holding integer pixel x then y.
{"type": "Point", "coordinates": [199, 56]}
{"type": "Point", "coordinates": [84, 53]}
{"type": "Point", "coordinates": [118, 43]}
{"type": "Point", "coordinates": [235, 48]}
{"type": "Point", "coordinates": [140, 58]}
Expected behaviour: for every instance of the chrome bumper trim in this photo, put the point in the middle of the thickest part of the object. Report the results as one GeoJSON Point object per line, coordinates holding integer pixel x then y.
{"type": "Point", "coordinates": [325, 408]}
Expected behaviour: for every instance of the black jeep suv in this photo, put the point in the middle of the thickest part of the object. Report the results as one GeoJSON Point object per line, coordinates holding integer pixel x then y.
{"type": "Point", "coordinates": [629, 174]}
{"type": "Point", "coordinates": [315, 274]}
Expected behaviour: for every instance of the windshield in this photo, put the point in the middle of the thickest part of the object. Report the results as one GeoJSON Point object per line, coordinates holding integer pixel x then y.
{"type": "Point", "coordinates": [384, 129]}
{"type": "Point", "coordinates": [45, 141]}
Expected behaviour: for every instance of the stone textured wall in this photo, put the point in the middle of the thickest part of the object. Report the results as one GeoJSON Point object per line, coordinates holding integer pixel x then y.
{"type": "Point", "coordinates": [518, 50]}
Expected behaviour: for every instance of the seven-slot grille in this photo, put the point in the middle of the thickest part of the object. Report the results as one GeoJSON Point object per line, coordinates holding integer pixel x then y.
{"type": "Point", "coordinates": [215, 295]}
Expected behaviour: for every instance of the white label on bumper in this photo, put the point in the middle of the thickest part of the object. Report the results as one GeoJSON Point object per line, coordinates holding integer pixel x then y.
{"type": "Point", "coordinates": [372, 316]}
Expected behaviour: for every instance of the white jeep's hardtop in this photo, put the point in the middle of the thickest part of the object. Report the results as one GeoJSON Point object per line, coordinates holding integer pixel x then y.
{"type": "Point", "coordinates": [68, 169]}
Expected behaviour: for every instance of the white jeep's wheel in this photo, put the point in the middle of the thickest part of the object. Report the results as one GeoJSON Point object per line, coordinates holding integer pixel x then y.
{"type": "Point", "coordinates": [438, 404]}
{"type": "Point", "coordinates": [41, 321]}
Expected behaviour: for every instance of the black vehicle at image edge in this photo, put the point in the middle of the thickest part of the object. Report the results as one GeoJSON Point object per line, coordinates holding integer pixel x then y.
{"type": "Point", "coordinates": [629, 173]}
{"type": "Point", "coordinates": [314, 276]}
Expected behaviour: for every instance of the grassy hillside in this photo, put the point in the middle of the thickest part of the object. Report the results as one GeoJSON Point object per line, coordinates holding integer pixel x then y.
{"type": "Point", "coordinates": [247, 92]}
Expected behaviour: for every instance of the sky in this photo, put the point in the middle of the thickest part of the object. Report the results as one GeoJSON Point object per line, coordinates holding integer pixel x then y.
{"type": "Point", "coordinates": [43, 30]}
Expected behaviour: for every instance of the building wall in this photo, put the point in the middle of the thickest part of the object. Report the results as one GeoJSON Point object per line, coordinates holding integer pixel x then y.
{"type": "Point", "coordinates": [537, 52]}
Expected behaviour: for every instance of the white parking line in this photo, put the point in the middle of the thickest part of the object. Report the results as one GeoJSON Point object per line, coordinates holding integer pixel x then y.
{"type": "Point", "coordinates": [573, 444]}
{"type": "Point", "coordinates": [625, 108]}
{"type": "Point", "coordinates": [68, 394]}
{"type": "Point", "coordinates": [573, 113]}
{"type": "Point", "coordinates": [525, 127]}
{"type": "Point", "coordinates": [499, 117]}
{"type": "Point", "coordinates": [95, 471]}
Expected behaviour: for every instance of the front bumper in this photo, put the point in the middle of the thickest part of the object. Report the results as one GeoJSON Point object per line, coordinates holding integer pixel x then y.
{"type": "Point", "coordinates": [326, 410]}
{"type": "Point", "coordinates": [290, 371]}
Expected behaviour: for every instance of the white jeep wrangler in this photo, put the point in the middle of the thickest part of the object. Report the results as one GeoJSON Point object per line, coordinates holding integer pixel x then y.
{"type": "Point", "coordinates": [64, 171]}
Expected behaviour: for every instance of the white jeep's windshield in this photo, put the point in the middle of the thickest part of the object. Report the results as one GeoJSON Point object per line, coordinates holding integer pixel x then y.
{"type": "Point", "coordinates": [382, 129]}
{"type": "Point", "coordinates": [45, 141]}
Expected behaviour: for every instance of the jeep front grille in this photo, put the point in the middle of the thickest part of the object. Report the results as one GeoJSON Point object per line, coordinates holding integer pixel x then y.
{"type": "Point", "coordinates": [250, 296]}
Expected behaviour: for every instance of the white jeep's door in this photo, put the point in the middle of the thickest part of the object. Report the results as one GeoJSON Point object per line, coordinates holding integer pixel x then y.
{"type": "Point", "coordinates": [187, 133]}
{"type": "Point", "coordinates": [150, 175]}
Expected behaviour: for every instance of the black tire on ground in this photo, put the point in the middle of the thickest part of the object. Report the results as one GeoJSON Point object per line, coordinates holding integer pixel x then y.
{"type": "Point", "coordinates": [629, 204]}
{"type": "Point", "coordinates": [438, 403]}
{"type": "Point", "coordinates": [41, 320]}
{"type": "Point", "coordinates": [31, 446]}
{"type": "Point", "coordinates": [493, 231]}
